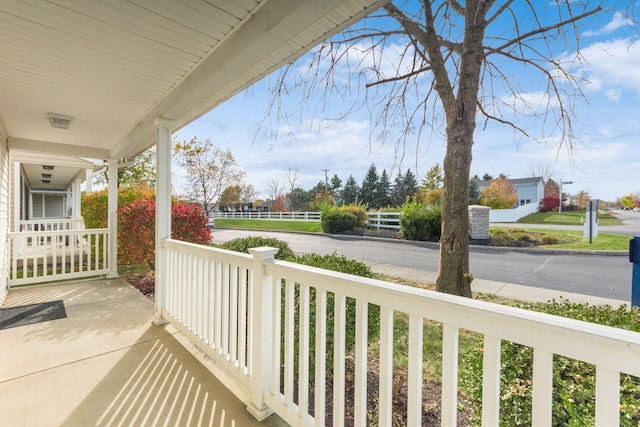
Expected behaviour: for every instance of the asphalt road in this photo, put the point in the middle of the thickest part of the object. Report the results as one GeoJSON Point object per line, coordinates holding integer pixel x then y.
{"type": "Point", "coordinates": [606, 276]}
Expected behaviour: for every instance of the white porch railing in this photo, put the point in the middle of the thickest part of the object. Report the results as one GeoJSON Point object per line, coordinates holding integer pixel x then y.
{"type": "Point", "coordinates": [51, 224]}
{"type": "Point", "coordinates": [45, 256]}
{"type": "Point", "coordinates": [512, 215]}
{"type": "Point", "coordinates": [252, 316]}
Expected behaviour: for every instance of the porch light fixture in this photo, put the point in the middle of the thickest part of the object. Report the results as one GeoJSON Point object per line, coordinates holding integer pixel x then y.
{"type": "Point", "coordinates": [47, 167]}
{"type": "Point", "coordinates": [59, 121]}
{"type": "Point", "coordinates": [46, 175]}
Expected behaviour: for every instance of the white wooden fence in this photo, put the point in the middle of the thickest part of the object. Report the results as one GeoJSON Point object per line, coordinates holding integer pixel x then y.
{"type": "Point", "coordinates": [512, 215]}
{"type": "Point", "coordinates": [379, 220]}
{"type": "Point", "coordinates": [273, 216]}
{"type": "Point", "coordinates": [45, 256]}
{"type": "Point", "coordinates": [252, 315]}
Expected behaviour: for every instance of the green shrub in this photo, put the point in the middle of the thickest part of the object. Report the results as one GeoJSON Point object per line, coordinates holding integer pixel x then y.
{"type": "Point", "coordinates": [341, 264]}
{"type": "Point", "coordinates": [137, 223]}
{"type": "Point", "coordinates": [335, 262]}
{"type": "Point", "coordinates": [419, 222]}
{"type": "Point", "coordinates": [334, 222]}
{"type": "Point", "coordinates": [95, 205]}
{"type": "Point", "coordinates": [359, 211]}
{"type": "Point", "coordinates": [243, 244]}
{"type": "Point", "coordinates": [573, 380]}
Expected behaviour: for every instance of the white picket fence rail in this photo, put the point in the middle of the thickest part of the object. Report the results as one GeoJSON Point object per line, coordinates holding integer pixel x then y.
{"type": "Point", "coordinates": [386, 220]}
{"type": "Point", "coordinates": [379, 220]}
{"type": "Point", "coordinates": [45, 256]}
{"type": "Point", "coordinates": [252, 315]}
{"type": "Point", "coordinates": [512, 215]}
{"type": "Point", "coordinates": [51, 224]}
{"type": "Point", "coordinates": [273, 216]}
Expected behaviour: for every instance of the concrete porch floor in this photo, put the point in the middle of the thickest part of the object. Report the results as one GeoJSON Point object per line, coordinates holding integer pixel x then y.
{"type": "Point", "coordinates": [106, 364]}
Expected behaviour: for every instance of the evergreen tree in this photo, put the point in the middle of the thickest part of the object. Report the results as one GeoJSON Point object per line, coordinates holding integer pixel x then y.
{"type": "Point", "coordinates": [474, 192]}
{"type": "Point", "coordinates": [369, 187]}
{"type": "Point", "coordinates": [434, 178]}
{"type": "Point", "coordinates": [397, 194]}
{"type": "Point", "coordinates": [410, 184]}
{"type": "Point", "coordinates": [350, 191]}
{"type": "Point", "coordinates": [334, 186]}
{"type": "Point", "coordinates": [383, 198]}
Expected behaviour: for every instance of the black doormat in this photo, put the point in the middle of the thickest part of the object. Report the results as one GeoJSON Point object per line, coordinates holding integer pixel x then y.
{"type": "Point", "coordinates": [33, 313]}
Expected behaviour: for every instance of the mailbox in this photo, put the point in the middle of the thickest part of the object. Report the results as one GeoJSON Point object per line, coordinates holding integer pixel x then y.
{"type": "Point", "coordinates": [634, 257]}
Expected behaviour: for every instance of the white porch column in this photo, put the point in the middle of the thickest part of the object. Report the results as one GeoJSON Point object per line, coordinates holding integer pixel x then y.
{"type": "Point", "coordinates": [76, 199]}
{"type": "Point", "coordinates": [89, 180]}
{"type": "Point", "coordinates": [17, 202]}
{"type": "Point", "coordinates": [163, 212]}
{"type": "Point", "coordinates": [113, 218]}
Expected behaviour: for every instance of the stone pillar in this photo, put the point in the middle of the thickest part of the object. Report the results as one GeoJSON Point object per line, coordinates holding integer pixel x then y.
{"type": "Point", "coordinates": [479, 222]}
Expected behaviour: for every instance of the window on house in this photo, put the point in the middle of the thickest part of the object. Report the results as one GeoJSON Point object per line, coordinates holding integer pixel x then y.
{"type": "Point", "coordinates": [524, 202]}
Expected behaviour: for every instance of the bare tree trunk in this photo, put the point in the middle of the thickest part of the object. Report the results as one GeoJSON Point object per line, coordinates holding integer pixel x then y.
{"type": "Point", "coordinates": [453, 269]}
{"type": "Point", "coordinates": [454, 276]}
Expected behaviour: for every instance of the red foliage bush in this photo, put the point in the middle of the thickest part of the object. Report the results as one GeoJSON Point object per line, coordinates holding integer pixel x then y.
{"type": "Point", "coordinates": [549, 203]}
{"type": "Point", "coordinates": [136, 243]}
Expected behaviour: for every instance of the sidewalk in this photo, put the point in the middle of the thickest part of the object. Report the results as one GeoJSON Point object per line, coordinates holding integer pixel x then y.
{"type": "Point", "coordinates": [501, 289]}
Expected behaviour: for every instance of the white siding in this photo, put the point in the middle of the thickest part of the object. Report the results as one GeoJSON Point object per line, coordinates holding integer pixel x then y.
{"type": "Point", "coordinates": [4, 215]}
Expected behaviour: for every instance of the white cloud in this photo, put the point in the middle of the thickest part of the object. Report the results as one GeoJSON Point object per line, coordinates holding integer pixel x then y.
{"type": "Point", "coordinates": [530, 103]}
{"type": "Point", "coordinates": [617, 21]}
{"type": "Point", "coordinates": [612, 65]}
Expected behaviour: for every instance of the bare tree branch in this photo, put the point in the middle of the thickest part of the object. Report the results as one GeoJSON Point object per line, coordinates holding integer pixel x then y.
{"type": "Point", "coordinates": [546, 29]}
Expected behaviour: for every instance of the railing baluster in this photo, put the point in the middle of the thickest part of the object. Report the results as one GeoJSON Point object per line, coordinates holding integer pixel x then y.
{"type": "Point", "coordinates": [303, 351]}
{"type": "Point", "coordinates": [210, 301]}
{"type": "Point", "coordinates": [242, 319]}
{"type": "Point", "coordinates": [449, 375]}
{"type": "Point", "coordinates": [289, 319]}
{"type": "Point", "coordinates": [360, 380]}
{"type": "Point", "coordinates": [386, 366]}
{"type": "Point", "coordinates": [339, 351]}
{"type": "Point", "coordinates": [491, 381]}
{"type": "Point", "coordinates": [218, 307]}
{"type": "Point", "coordinates": [321, 358]}
{"type": "Point", "coordinates": [607, 397]}
{"type": "Point", "coordinates": [277, 336]}
{"type": "Point", "coordinates": [414, 373]}
{"type": "Point", "coordinates": [233, 315]}
{"type": "Point", "coordinates": [542, 388]}
{"type": "Point", "coordinates": [200, 299]}
{"type": "Point", "coordinates": [226, 283]}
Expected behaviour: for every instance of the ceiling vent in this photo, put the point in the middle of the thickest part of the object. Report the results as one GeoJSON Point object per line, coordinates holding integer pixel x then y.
{"type": "Point", "coordinates": [46, 175]}
{"type": "Point", "coordinates": [59, 121]}
{"type": "Point", "coordinates": [46, 181]}
{"type": "Point", "coordinates": [47, 167]}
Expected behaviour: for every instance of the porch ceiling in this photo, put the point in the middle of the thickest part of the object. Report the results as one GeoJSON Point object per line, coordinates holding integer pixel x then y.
{"type": "Point", "coordinates": [113, 67]}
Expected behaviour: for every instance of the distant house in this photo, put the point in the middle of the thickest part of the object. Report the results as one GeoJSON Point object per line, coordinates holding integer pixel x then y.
{"type": "Point", "coordinates": [529, 190]}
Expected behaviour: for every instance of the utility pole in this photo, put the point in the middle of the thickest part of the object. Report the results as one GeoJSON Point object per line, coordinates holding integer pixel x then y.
{"type": "Point", "coordinates": [326, 185]}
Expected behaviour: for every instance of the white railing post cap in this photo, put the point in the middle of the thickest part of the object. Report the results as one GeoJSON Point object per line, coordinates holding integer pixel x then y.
{"type": "Point", "coordinates": [264, 252]}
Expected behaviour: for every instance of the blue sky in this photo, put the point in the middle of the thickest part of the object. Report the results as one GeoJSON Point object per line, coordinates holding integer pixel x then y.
{"type": "Point", "coordinates": [605, 163]}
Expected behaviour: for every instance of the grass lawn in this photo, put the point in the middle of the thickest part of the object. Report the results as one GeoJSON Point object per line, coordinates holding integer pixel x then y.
{"type": "Point", "coordinates": [260, 224]}
{"type": "Point", "coordinates": [568, 218]}
{"type": "Point", "coordinates": [604, 241]}
{"type": "Point", "coordinates": [558, 239]}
